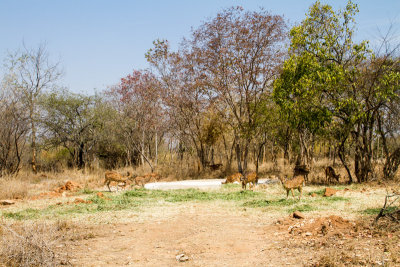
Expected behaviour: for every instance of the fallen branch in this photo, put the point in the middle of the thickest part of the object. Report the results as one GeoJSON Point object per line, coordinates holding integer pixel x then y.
{"type": "Point", "coordinates": [386, 206]}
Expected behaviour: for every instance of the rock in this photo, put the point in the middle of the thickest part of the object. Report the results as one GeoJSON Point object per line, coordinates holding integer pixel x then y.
{"type": "Point", "coordinates": [313, 195]}
{"type": "Point", "coordinates": [100, 194]}
{"type": "Point", "coordinates": [308, 234]}
{"type": "Point", "coordinates": [7, 202]}
{"type": "Point", "coordinates": [79, 200]}
{"type": "Point", "coordinates": [182, 257]}
{"type": "Point", "coordinates": [329, 192]}
{"type": "Point", "coordinates": [68, 186]}
{"type": "Point", "coordinates": [298, 215]}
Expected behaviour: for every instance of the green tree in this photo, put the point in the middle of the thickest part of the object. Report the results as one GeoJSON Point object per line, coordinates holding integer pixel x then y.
{"type": "Point", "coordinates": [71, 120]}
{"type": "Point", "coordinates": [330, 83]}
{"type": "Point", "coordinates": [319, 82]}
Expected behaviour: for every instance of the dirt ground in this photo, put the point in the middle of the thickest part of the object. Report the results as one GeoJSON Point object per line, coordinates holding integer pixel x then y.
{"type": "Point", "coordinates": [207, 236]}
{"type": "Point", "coordinates": [218, 233]}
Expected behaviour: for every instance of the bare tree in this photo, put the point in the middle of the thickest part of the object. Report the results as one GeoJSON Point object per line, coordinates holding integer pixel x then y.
{"type": "Point", "coordinates": [13, 130]}
{"type": "Point", "coordinates": [240, 54]}
{"type": "Point", "coordinates": [31, 73]}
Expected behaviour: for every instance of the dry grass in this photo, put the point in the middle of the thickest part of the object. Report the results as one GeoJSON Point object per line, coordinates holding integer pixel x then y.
{"type": "Point", "coordinates": [12, 188]}
{"type": "Point", "coordinates": [32, 244]}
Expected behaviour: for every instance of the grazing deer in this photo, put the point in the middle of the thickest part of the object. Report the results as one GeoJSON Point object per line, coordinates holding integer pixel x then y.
{"type": "Point", "coordinates": [249, 178]}
{"type": "Point", "coordinates": [301, 170]}
{"type": "Point", "coordinates": [233, 178]}
{"type": "Point", "coordinates": [147, 178]}
{"type": "Point", "coordinates": [290, 185]}
{"type": "Point", "coordinates": [330, 174]}
{"type": "Point", "coordinates": [112, 176]}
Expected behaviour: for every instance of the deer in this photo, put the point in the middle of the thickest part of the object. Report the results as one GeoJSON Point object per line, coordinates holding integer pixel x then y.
{"type": "Point", "coordinates": [233, 178]}
{"type": "Point", "coordinates": [249, 178]}
{"type": "Point", "coordinates": [112, 176]}
{"type": "Point", "coordinates": [147, 178]}
{"type": "Point", "coordinates": [290, 185]}
{"type": "Point", "coordinates": [301, 170]}
{"type": "Point", "coordinates": [330, 174]}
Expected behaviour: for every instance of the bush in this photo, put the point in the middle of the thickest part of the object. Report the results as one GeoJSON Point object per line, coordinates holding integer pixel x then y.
{"type": "Point", "coordinates": [31, 245]}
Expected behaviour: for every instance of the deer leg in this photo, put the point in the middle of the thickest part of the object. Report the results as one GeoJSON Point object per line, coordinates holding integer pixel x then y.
{"type": "Point", "coordinates": [292, 192]}
{"type": "Point", "coordinates": [108, 185]}
{"type": "Point", "coordinates": [301, 192]}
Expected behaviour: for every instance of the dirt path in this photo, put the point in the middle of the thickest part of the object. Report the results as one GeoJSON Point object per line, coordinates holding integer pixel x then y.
{"type": "Point", "coordinates": [207, 237]}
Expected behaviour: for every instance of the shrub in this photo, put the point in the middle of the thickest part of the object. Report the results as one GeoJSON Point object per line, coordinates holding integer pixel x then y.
{"type": "Point", "coordinates": [31, 245]}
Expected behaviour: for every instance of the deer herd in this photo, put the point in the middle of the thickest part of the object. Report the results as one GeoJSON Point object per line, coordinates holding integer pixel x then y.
{"type": "Point", "coordinates": [300, 177]}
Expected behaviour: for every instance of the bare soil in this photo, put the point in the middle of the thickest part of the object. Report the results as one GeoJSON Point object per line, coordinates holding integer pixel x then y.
{"type": "Point", "coordinates": [219, 234]}
{"type": "Point", "coordinates": [211, 236]}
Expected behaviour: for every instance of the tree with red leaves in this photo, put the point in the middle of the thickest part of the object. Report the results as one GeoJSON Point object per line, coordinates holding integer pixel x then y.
{"type": "Point", "coordinates": [138, 101]}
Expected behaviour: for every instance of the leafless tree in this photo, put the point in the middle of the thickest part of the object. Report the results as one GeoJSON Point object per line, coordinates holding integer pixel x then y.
{"type": "Point", "coordinates": [31, 73]}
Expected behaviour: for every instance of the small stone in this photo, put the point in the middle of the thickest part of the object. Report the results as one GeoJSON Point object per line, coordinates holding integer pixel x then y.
{"type": "Point", "coordinates": [313, 195]}
{"type": "Point", "coordinates": [308, 234]}
{"type": "Point", "coordinates": [182, 257]}
{"type": "Point", "coordinates": [298, 215]}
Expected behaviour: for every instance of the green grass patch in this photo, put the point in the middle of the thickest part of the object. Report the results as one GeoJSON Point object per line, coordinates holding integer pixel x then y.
{"type": "Point", "coordinates": [130, 200]}
{"type": "Point", "coordinates": [87, 191]}
{"type": "Point", "coordinates": [318, 192]}
{"type": "Point", "coordinates": [230, 186]}
{"type": "Point", "coordinates": [23, 214]}
{"type": "Point", "coordinates": [335, 199]}
{"type": "Point", "coordinates": [301, 207]}
{"type": "Point", "coordinates": [258, 203]}
{"type": "Point", "coordinates": [139, 199]}
{"type": "Point", "coordinates": [375, 211]}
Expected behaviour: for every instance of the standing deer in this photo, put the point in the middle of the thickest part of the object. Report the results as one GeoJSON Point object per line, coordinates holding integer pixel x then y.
{"type": "Point", "coordinates": [249, 178]}
{"type": "Point", "coordinates": [112, 176]}
{"type": "Point", "coordinates": [290, 185]}
{"type": "Point", "coordinates": [301, 170]}
{"type": "Point", "coordinates": [233, 178]}
{"type": "Point", "coordinates": [330, 174]}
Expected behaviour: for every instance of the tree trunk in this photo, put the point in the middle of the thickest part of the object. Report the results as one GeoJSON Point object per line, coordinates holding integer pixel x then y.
{"type": "Point", "coordinates": [33, 137]}
{"type": "Point", "coordinates": [156, 156]}
{"type": "Point", "coordinates": [81, 152]}
{"type": "Point", "coordinates": [342, 157]}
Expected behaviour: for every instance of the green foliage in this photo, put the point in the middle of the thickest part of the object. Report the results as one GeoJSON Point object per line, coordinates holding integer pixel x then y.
{"type": "Point", "coordinates": [323, 58]}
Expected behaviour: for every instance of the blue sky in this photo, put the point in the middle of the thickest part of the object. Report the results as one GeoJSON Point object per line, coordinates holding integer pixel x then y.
{"type": "Point", "coordinates": [98, 42]}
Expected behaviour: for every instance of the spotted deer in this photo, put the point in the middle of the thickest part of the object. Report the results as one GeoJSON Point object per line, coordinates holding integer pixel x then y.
{"type": "Point", "coordinates": [330, 175]}
{"type": "Point", "coordinates": [249, 178]}
{"type": "Point", "coordinates": [290, 185]}
{"type": "Point", "coordinates": [112, 176]}
{"type": "Point", "coordinates": [147, 178]}
{"type": "Point", "coordinates": [233, 178]}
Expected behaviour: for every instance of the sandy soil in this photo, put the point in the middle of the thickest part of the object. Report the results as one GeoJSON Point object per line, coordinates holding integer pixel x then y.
{"type": "Point", "coordinates": [224, 237]}
{"type": "Point", "coordinates": [207, 237]}
{"type": "Point", "coordinates": [218, 233]}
